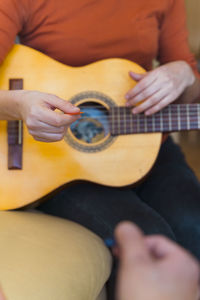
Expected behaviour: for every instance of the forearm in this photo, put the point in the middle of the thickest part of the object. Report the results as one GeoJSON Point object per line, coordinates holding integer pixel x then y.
{"type": "Point", "coordinates": [10, 105]}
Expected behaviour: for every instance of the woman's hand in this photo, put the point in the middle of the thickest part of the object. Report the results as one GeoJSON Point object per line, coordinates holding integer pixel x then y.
{"type": "Point", "coordinates": [158, 88]}
{"type": "Point", "coordinates": [45, 124]}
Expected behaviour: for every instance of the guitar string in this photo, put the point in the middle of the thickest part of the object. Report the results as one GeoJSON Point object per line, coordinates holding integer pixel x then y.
{"type": "Point", "coordinates": [171, 104]}
{"type": "Point", "coordinates": [181, 106]}
{"type": "Point", "coordinates": [183, 125]}
{"type": "Point", "coordinates": [157, 118]}
{"type": "Point", "coordinates": [140, 118]}
{"type": "Point", "coordinates": [163, 111]}
{"type": "Point", "coordinates": [132, 119]}
{"type": "Point", "coordinates": [181, 111]}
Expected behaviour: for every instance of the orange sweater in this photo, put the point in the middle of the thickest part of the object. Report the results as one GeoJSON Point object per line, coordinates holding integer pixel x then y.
{"type": "Point", "coordinates": [78, 32]}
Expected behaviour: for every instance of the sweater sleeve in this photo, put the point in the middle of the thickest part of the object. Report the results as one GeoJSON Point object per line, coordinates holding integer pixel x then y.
{"type": "Point", "coordinates": [12, 16]}
{"type": "Point", "coordinates": [173, 43]}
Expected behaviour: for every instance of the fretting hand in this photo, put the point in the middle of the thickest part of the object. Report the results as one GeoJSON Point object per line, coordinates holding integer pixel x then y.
{"type": "Point", "coordinates": [160, 87]}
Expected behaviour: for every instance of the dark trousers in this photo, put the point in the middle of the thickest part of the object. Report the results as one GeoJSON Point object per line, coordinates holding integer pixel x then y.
{"type": "Point", "coordinates": [167, 202]}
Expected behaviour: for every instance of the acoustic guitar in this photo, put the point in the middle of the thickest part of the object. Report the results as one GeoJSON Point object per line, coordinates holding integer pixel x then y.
{"type": "Point", "coordinates": [107, 145]}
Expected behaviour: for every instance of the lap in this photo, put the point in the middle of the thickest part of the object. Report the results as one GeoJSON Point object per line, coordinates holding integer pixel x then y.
{"type": "Point", "coordinates": [156, 205]}
{"type": "Point", "coordinates": [168, 202]}
{"type": "Point", "coordinates": [101, 208]}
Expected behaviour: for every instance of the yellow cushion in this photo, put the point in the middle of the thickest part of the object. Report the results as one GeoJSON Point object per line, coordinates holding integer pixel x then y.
{"type": "Point", "coordinates": [48, 258]}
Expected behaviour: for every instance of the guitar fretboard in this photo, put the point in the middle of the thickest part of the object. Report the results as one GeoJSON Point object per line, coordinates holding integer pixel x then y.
{"type": "Point", "coordinates": [175, 117]}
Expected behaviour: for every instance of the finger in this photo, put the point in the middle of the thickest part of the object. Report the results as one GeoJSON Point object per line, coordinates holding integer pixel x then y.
{"type": "Point", "coordinates": [142, 85]}
{"type": "Point", "coordinates": [159, 106]}
{"type": "Point", "coordinates": [175, 258]}
{"type": "Point", "coordinates": [2, 297]}
{"type": "Point", "coordinates": [136, 76]}
{"type": "Point", "coordinates": [163, 247]}
{"type": "Point", "coordinates": [151, 101]}
{"type": "Point", "coordinates": [38, 139]}
{"type": "Point", "coordinates": [55, 118]}
{"type": "Point", "coordinates": [63, 105]}
{"type": "Point", "coordinates": [41, 126]}
{"type": "Point", "coordinates": [47, 137]}
{"type": "Point", "coordinates": [144, 95]}
{"type": "Point", "coordinates": [132, 247]}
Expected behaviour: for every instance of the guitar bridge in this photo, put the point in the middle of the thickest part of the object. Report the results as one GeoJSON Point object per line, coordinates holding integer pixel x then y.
{"type": "Point", "coordinates": [15, 134]}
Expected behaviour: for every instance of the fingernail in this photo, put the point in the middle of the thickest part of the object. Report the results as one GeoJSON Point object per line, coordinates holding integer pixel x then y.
{"type": "Point", "coordinates": [148, 112]}
{"type": "Point", "coordinates": [128, 104]}
{"type": "Point", "coordinates": [71, 105]}
{"type": "Point", "coordinates": [127, 97]}
{"type": "Point", "coordinates": [75, 108]}
{"type": "Point", "coordinates": [134, 111]}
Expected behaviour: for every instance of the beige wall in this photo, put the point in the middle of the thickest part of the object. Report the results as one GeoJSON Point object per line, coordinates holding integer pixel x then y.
{"type": "Point", "coordinates": [193, 22]}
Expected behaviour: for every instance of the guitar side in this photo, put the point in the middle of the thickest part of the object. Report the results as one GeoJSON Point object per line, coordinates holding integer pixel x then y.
{"type": "Point", "coordinates": [47, 166]}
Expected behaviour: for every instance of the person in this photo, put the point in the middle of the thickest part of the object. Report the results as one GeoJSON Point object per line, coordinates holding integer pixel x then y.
{"type": "Point", "coordinates": [153, 267]}
{"type": "Point", "coordinates": [77, 33]}
{"type": "Point", "coordinates": [2, 296]}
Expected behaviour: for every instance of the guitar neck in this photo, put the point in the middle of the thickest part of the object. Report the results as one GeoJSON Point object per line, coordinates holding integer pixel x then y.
{"type": "Point", "coordinates": [175, 117]}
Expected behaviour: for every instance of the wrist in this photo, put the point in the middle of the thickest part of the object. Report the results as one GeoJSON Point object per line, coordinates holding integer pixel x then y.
{"type": "Point", "coordinates": [10, 105]}
{"type": "Point", "coordinates": [18, 102]}
{"type": "Point", "coordinates": [188, 74]}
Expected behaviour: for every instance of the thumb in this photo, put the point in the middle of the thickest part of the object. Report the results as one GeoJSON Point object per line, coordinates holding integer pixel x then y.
{"type": "Point", "coordinates": [63, 105]}
{"type": "Point", "coordinates": [133, 250]}
{"type": "Point", "coordinates": [136, 76]}
{"type": "Point", "coordinates": [134, 260]}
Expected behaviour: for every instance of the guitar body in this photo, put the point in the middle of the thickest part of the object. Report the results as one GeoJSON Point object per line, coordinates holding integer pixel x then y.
{"type": "Point", "coordinates": [112, 161]}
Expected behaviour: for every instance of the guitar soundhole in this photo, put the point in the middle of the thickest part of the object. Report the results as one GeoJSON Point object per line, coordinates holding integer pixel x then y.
{"type": "Point", "coordinates": [93, 125]}
{"type": "Point", "coordinates": [91, 133]}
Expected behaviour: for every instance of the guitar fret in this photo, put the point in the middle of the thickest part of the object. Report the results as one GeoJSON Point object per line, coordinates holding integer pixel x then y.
{"type": "Point", "coordinates": [174, 117]}
{"type": "Point", "coordinates": [153, 123]}
{"type": "Point", "coordinates": [198, 115]}
{"type": "Point", "coordinates": [20, 132]}
{"type": "Point", "coordinates": [161, 121]}
{"type": "Point", "coordinates": [138, 123]}
{"type": "Point", "coordinates": [170, 118]}
{"type": "Point", "coordinates": [166, 119]}
{"type": "Point", "coordinates": [149, 123]}
{"type": "Point", "coordinates": [112, 120]}
{"type": "Point", "coordinates": [131, 121]}
{"type": "Point", "coordinates": [187, 116]}
{"type": "Point", "coordinates": [184, 117]}
{"type": "Point", "coordinates": [178, 115]}
{"type": "Point", "coordinates": [174, 110]}
{"type": "Point", "coordinates": [118, 118]}
{"type": "Point", "coordinates": [124, 120]}
{"type": "Point", "coordinates": [145, 124]}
